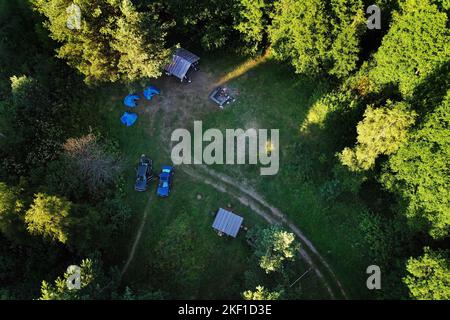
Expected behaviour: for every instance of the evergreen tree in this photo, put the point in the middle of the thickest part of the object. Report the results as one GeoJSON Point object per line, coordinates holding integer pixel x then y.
{"type": "Point", "coordinates": [348, 24]}
{"type": "Point", "coordinates": [418, 42]}
{"type": "Point", "coordinates": [11, 210]}
{"type": "Point", "coordinates": [49, 217]}
{"type": "Point", "coordinates": [419, 173]}
{"type": "Point", "coordinates": [314, 41]}
{"type": "Point", "coordinates": [200, 22]}
{"type": "Point", "coordinates": [299, 33]}
{"type": "Point", "coordinates": [105, 40]}
{"type": "Point", "coordinates": [253, 22]}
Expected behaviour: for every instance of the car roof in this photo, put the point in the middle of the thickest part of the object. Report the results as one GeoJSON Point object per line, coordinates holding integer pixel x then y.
{"type": "Point", "coordinates": [164, 175]}
{"type": "Point", "coordinates": [163, 190]}
{"type": "Point", "coordinates": [142, 169]}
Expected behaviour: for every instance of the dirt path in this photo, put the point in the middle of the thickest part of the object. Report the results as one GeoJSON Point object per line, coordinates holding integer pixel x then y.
{"type": "Point", "coordinates": [137, 238]}
{"type": "Point", "coordinates": [182, 105]}
{"type": "Point", "coordinates": [278, 215]}
{"type": "Point", "coordinates": [250, 198]}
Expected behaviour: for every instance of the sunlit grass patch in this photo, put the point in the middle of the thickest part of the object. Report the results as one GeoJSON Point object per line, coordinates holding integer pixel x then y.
{"type": "Point", "coordinates": [316, 116]}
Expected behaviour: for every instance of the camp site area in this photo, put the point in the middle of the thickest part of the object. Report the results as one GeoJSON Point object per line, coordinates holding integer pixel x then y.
{"type": "Point", "coordinates": [226, 149]}
{"type": "Point", "coordinates": [210, 212]}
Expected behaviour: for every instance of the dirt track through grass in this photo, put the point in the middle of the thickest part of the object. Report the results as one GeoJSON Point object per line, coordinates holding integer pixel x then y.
{"type": "Point", "coordinates": [137, 237]}
{"type": "Point", "coordinates": [250, 198]}
{"type": "Point", "coordinates": [180, 102]}
{"type": "Point", "coordinates": [281, 217]}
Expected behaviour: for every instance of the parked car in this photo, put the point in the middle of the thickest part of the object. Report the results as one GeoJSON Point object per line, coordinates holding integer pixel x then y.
{"type": "Point", "coordinates": [165, 181]}
{"type": "Point", "coordinates": [144, 173]}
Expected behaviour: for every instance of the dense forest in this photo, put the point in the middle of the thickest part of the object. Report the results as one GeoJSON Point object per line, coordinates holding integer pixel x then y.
{"type": "Point", "coordinates": [62, 175]}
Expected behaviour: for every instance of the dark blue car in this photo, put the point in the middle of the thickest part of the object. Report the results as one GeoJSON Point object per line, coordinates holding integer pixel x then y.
{"type": "Point", "coordinates": [144, 173]}
{"type": "Point", "coordinates": [165, 181]}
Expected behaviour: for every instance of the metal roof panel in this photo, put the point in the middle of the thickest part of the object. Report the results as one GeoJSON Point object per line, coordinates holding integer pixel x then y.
{"type": "Point", "coordinates": [227, 222]}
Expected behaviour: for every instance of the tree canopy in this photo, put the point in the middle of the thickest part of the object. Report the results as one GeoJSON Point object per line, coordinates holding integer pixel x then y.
{"type": "Point", "coordinates": [253, 21]}
{"type": "Point", "coordinates": [94, 283]}
{"type": "Point", "coordinates": [314, 41]}
{"type": "Point", "coordinates": [261, 293]}
{"type": "Point", "coordinates": [419, 172]}
{"type": "Point", "coordinates": [417, 43]}
{"type": "Point", "coordinates": [110, 43]}
{"type": "Point", "coordinates": [382, 131]}
{"type": "Point", "coordinates": [428, 276]}
{"type": "Point", "coordinates": [365, 123]}
{"type": "Point", "coordinates": [49, 216]}
{"type": "Point", "coordinates": [273, 247]}
{"type": "Point", "coordinates": [11, 210]}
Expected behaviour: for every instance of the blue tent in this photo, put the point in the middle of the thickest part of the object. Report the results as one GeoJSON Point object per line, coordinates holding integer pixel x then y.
{"type": "Point", "coordinates": [130, 100]}
{"type": "Point", "coordinates": [150, 91]}
{"type": "Point", "coordinates": [128, 118]}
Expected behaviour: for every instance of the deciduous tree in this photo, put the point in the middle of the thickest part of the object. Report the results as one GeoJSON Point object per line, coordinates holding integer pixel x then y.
{"type": "Point", "coordinates": [382, 131]}
{"type": "Point", "coordinates": [94, 284]}
{"type": "Point", "coordinates": [261, 293]}
{"type": "Point", "coordinates": [273, 247]}
{"type": "Point", "coordinates": [97, 167]}
{"type": "Point", "coordinates": [428, 276]}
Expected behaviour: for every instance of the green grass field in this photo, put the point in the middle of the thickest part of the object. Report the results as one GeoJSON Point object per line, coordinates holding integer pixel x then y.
{"type": "Point", "coordinates": [178, 251]}
{"type": "Point", "coordinates": [272, 97]}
